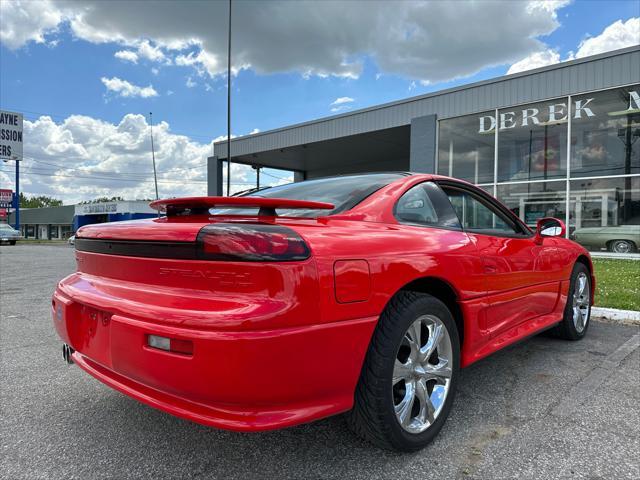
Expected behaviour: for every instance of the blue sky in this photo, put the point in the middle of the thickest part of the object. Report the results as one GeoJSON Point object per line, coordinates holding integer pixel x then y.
{"type": "Point", "coordinates": [64, 67]}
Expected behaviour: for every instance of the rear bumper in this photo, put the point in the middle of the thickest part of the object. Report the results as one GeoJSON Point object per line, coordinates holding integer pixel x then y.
{"type": "Point", "coordinates": [236, 380]}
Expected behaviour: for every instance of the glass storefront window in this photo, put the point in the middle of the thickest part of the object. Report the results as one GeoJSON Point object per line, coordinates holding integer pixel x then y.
{"type": "Point", "coordinates": [466, 148]}
{"type": "Point", "coordinates": [532, 141]}
{"type": "Point", "coordinates": [533, 151]}
{"type": "Point", "coordinates": [605, 214]}
{"type": "Point", "coordinates": [532, 201]}
{"type": "Point", "coordinates": [605, 133]}
{"type": "Point", "coordinates": [53, 232]}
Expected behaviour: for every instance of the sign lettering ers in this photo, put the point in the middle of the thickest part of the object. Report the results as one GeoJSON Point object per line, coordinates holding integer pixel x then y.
{"type": "Point", "coordinates": [555, 113]}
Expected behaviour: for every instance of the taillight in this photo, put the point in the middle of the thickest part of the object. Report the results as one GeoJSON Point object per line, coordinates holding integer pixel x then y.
{"type": "Point", "coordinates": [251, 243]}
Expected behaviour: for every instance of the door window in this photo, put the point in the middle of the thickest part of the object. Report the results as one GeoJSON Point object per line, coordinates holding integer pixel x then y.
{"type": "Point", "coordinates": [477, 216]}
{"type": "Point", "coordinates": [425, 204]}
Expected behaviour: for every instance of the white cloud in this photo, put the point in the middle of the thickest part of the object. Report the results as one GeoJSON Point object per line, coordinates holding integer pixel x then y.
{"type": "Point", "coordinates": [123, 88]}
{"type": "Point", "coordinates": [150, 52]}
{"type": "Point", "coordinates": [220, 138]}
{"type": "Point", "coordinates": [82, 158]}
{"type": "Point", "coordinates": [24, 22]}
{"type": "Point", "coordinates": [617, 35]}
{"type": "Point", "coordinates": [254, 131]}
{"type": "Point", "coordinates": [342, 101]}
{"type": "Point", "coordinates": [190, 83]}
{"type": "Point", "coordinates": [202, 61]}
{"type": "Point", "coordinates": [417, 40]}
{"type": "Point", "coordinates": [127, 55]}
{"type": "Point", "coordinates": [535, 60]}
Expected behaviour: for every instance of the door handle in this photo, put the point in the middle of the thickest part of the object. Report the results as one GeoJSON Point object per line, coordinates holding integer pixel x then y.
{"type": "Point", "coordinates": [490, 269]}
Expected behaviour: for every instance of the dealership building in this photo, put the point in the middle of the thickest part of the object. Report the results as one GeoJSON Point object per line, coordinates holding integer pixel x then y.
{"type": "Point", "coordinates": [59, 223]}
{"type": "Point", "coordinates": [562, 140]}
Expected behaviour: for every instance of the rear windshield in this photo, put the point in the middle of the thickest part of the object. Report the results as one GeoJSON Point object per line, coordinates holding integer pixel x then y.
{"type": "Point", "coordinates": [343, 192]}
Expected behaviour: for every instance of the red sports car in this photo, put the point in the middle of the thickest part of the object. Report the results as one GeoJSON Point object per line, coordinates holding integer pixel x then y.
{"type": "Point", "coordinates": [363, 294]}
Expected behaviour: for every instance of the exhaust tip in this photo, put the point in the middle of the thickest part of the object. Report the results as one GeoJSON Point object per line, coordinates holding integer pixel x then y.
{"type": "Point", "coordinates": [67, 351]}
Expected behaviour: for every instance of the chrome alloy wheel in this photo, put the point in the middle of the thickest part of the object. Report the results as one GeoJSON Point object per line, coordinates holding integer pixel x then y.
{"type": "Point", "coordinates": [422, 374]}
{"type": "Point", "coordinates": [581, 302]}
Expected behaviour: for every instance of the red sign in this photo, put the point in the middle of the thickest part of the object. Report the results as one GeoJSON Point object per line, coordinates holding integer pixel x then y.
{"type": "Point", "coordinates": [3, 213]}
{"type": "Point", "coordinates": [6, 196]}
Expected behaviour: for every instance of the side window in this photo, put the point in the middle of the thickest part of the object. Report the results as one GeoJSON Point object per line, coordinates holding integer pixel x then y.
{"type": "Point", "coordinates": [425, 204]}
{"type": "Point", "coordinates": [476, 216]}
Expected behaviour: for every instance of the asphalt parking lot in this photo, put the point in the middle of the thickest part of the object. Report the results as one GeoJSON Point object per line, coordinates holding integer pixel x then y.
{"type": "Point", "coordinates": [542, 409]}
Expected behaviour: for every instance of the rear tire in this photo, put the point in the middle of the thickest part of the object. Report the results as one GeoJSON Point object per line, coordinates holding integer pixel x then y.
{"type": "Point", "coordinates": [577, 312]}
{"type": "Point", "coordinates": [12, 242]}
{"type": "Point", "coordinates": [410, 373]}
{"type": "Point", "coordinates": [622, 246]}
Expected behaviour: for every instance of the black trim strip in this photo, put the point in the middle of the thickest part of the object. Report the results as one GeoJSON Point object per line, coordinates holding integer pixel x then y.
{"type": "Point", "coordinates": [138, 248]}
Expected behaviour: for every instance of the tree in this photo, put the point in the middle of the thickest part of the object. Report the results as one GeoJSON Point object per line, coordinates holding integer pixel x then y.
{"type": "Point", "coordinates": [39, 201]}
{"type": "Point", "coordinates": [103, 199]}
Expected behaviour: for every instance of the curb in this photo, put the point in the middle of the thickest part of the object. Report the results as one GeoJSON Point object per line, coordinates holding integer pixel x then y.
{"type": "Point", "coordinates": [613, 315]}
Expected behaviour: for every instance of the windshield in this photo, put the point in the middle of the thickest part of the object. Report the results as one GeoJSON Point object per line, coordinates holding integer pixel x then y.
{"type": "Point", "coordinates": [4, 226]}
{"type": "Point", "coordinates": [343, 192]}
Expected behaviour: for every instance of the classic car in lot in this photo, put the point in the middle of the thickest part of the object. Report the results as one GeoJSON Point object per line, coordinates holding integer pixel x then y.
{"type": "Point", "coordinates": [8, 234]}
{"type": "Point", "coordinates": [363, 294]}
{"type": "Point", "coordinates": [620, 239]}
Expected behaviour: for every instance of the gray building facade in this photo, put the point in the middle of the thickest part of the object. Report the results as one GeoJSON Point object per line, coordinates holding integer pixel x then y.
{"type": "Point", "coordinates": [562, 140]}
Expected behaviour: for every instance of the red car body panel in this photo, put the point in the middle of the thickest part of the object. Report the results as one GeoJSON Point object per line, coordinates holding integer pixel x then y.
{"type": "Point", "coordinates": [281, 343]}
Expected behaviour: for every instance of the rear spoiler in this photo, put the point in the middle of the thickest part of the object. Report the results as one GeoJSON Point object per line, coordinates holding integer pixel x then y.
{"type": "Point", "coordinates": [201, 205]}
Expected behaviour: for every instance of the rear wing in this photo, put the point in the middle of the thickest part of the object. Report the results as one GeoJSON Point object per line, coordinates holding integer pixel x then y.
{"type": "Point", "coordinates": [201, 205]}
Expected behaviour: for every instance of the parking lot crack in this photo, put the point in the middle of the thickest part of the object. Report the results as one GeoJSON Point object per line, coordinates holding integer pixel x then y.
{"type": "Point", "coordinates": [586, 387]}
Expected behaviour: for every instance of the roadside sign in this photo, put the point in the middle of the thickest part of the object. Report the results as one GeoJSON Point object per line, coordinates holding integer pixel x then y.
{"type": "Point", "coordinates": [6, 198]}
{"type": "Point", "coordinates": [10, 135]}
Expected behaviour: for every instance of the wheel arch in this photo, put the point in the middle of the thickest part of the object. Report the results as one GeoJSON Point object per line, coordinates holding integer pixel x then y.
{"type": "Point", "coordinates": [443, 291]}
{"type": "Point", "coordinates": [586, 261]}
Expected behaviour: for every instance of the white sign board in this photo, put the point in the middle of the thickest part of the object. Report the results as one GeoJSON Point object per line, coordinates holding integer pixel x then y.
{"type": "Point", "coordinates": [10, 135]}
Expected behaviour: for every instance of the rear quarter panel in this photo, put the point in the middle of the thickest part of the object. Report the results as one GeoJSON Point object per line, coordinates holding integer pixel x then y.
{"type": "Point", "coordinates": [396, 255]}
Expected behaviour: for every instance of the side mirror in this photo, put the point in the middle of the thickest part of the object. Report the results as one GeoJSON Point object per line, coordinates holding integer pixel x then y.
{"type": "Point", "coordinates": [550, 227]}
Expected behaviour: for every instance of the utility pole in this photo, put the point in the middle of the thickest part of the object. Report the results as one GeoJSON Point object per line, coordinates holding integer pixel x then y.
{"type": "Point", "coordinates": [15, 202]}
{"type": "Point", "coordinates": [17, 225]}
{"type": "Point", "coordinates": [229, 105]}
{"type": "Point", "coordinates": [153, 155]}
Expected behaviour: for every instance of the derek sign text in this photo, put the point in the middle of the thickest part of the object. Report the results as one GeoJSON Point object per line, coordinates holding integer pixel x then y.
{"type": "Point", "coordinates": [551, 114]}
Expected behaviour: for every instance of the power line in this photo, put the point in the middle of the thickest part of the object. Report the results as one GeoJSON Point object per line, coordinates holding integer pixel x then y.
{"type": "Point", "coordinates": [118, 173]}
{"type": "Point", "coordinates": [273, 176]}
{"type": "Point", "coordinates": [51, 174]}
{"type": "Point", "coordinates": [113, 179]}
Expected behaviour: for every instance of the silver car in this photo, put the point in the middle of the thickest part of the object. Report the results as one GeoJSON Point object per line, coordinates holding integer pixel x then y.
{"type": "Point", "coordinates": [8, 234]}
{"type": "Point", "coordinates": [621, 239]}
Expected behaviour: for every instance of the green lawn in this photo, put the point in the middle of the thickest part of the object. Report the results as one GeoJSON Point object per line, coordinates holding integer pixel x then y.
{"type": "Point", "coordinates": [618, 283]}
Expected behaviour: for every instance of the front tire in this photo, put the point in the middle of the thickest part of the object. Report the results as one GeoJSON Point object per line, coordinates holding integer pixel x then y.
{"type": "Point", "coordinates": [409, 377]}
{"type": "Point", "coordinates": [575, 322]}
